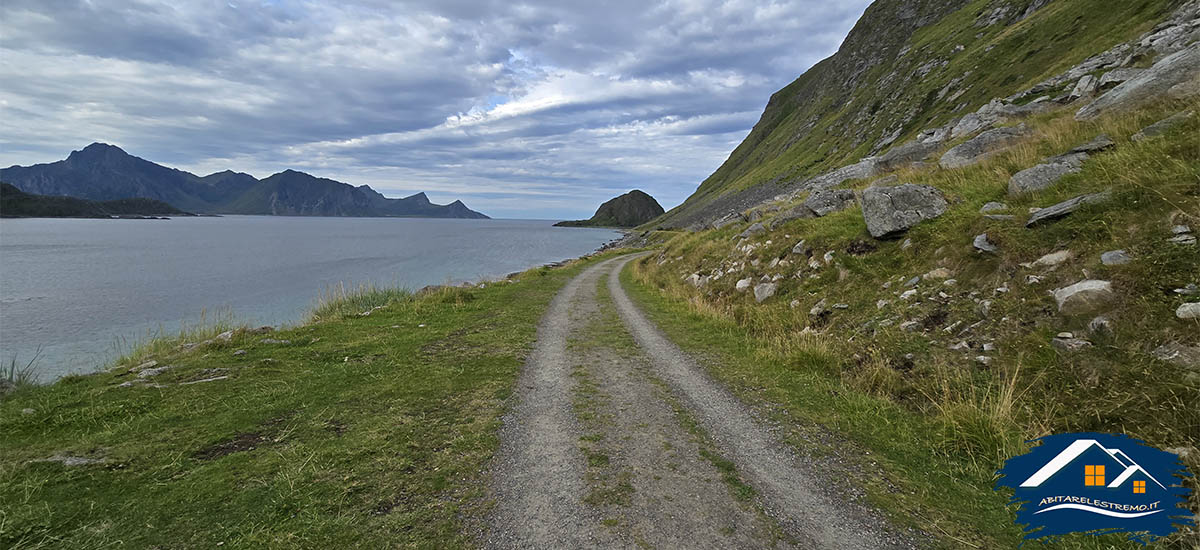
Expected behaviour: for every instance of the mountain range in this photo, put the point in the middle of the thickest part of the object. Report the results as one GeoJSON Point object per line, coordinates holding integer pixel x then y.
{"type": "Point", "coordinates": [102, 172]}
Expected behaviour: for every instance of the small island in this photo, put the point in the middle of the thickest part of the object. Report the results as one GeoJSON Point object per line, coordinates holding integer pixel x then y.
{"type": "Point", "coordinates": [629, 210]}
{"type": "Point", "coordinates": [15, 203]}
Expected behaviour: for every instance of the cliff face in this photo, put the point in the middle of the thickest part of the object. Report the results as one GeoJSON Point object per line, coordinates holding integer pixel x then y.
{"type": "Point", "coordinates": [629, 210]}
{"type": "Point", "coordinates": [908, 67]}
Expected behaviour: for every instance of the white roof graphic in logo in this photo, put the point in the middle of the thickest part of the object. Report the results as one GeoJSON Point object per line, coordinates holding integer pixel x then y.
{"type": "Point", "coordinates": [1078, 448]}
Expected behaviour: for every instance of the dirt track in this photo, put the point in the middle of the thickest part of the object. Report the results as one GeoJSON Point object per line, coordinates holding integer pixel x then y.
{"type": "Point", "coordinates": [619, 440]}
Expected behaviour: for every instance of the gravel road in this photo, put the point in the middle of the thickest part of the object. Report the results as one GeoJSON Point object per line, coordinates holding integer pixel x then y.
{"type": "Point", "coordinates": [617, 439]}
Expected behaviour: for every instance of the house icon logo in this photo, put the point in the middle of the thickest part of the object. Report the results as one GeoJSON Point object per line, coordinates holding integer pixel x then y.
{"type": "Point", "coordinates": [1097, 483]}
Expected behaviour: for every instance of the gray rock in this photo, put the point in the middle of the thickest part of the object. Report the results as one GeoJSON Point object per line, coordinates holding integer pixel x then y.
{"type": "Point", "coordinates": [146, 365]}
{"type": "Point", "coordinates": [1053, 259]}
{"type": "Point", "coordinates": [1041, 177]}
{"type": "Point", "coordinates": [72, 461]}
{"type": "Point", "coordinates": [240, 352]}
{"type": "Point", "coordinates": [798, 212]}
{"type": "Point", "coordinates": [274, 341]}
{"type": "Point", "coordinates": [1180, 229]}
{"type": "Point", "coordinates": [1084, 297]}
{"type": "Point", "coordinates": [818, 309]}
{"type": "Point", "coordinates": [752, 230]}
{"type": "Point", "coordinates": [1100, 144]}
{"type": "Point", "coordinates": [801, 249]}
{"type": "Point", "coordinates": [1070, 345]}
{"type": "Point", "coordinates": [889, 211]}
{"type": "Point", "coordinates": [828, 201]}
{"type": "Point", "coordinates": [984, 245]}
{"type": "Point", "coordinates": [1185, 239]}
{"type": "Point", "coordinates": [904, 155]}
{"type": "Point", "coordinates": [1086, 86]}
{"type": "Point", "coordinates": [912, 282]}
{"type": "Point", "coordinates": [1100, 325]}
{"type": "Point", "coordinates": [27, 412]}
{"type": "Point", "coordinates": [1115, 257]}
{"type": "Point", "coordinates": [1150, 85]}
{"type": "Point", "coordinates": [1066, 207]}
{"type": "Point", "coordinates": [1179, 355]}
{"type": "Point", "coordinates": [864, 168]}
{"type": "Point", "coordinates": [1163, 126]}
{"type": "Point", "coordinates": [984, 145]}
{"type": "Point", "coordinates": [225, 336]}
{"type": "Point", "coordinates": [1115, 77]}
{"type": "Point", "coordinates": [1190, 290]}
{"type": "Point", "coordinates": [1188, 311]}
{"type": "Point", "coordinates": [993, 207]}
{"type": "Point", "coordinates": [6, 386]}
{"type": "Point", "coordinates": [1000, 217]}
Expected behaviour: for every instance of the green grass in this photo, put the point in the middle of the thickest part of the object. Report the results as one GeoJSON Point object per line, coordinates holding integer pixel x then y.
{"type": "Point", "coordinates": [938, 423]}
{"type": "Point", "coordinates": [365, 431]}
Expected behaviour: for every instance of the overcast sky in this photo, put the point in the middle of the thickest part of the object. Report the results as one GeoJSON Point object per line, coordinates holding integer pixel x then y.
{"type": "Point", "coordinates": [521, 109]}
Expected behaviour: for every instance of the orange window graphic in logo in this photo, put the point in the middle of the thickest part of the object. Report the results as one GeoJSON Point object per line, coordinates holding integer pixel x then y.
{"type": "Point", "coordinates": [1093, 476]}
{"type": "Point", "coordinates": [1139, 487]}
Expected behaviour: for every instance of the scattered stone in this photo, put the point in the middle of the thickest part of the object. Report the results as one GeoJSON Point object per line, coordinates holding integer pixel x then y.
{"type": "Point", "coordinates": [828, 257]}
{"type": "Point", "coordinates": [1188, 311]}
{"type": "Point", "coordinates": [983, 360]}
{"type": "Point", "coordinates": [754, 229]}
{"type": "Point", "coordinates": [818, 309]}
{"type": "Point", "coordinates": [961, 346]}
{"type": "Point", "coordinates": [1086, 86]}
{"type": "Point", "coordinates": [982, 244]}
{"type": "Point", "coordinates": [225, 336]}
{"type": "Point", "coordinates": [989, 347]}
{"type": "Point", "coordinates": [1000, 217]}
{"type": "Point", "coordinates": [1084, 296]}
{"type": "Point", "coordinates": [794, 304]}
{"type": "Point", "coordinates": [910, 326]}
{"type": "Point", "coordinates": [912, 282]}
{"type": "Point", "coordinates": [1163, 126]}
{"type": "Point", "coordinates": [981, 147]}
{"type": "Point", "coordinates": [907, 244]}
{"type": "Point", "coordinates": [1042, 176]}
{"type": "Point", "coordinates": [1100, 144]}
{"type": "Point", "coordinates": [261, 330]}
{"type": "Point", "coordinates": [993, 207]}
{"type": "Point", "coordinates": [27, 412]}
{"type": "Point", "coordinates": [880, 304]}
{"type": "Point", "coordinates": [841, 306]}
{"type": "Point", "coordinates": [274, 341]}
{"type": "Point", "coordinates": [1179, 355]}
{"type": "Point", "coordinates": [147, 373]}
{"type": "Point", "coordinates": [744, 284]}
{"type": "Point", "coordinates": [146, 365]}
{"type": "Point", "coordinates": [72, 461]}
{"type": "Point", "coordinates": [1180, 229]}
{"type": "Point", "coordinates": [1185, 239]}
{"type": "Point", "coordinates": [1066, 335]}
{"type": "Point", "coordinates": [1152, 84]}
{"type": "Point", "coordinates": [892, 210]}
{"type": "Point", "coordinates": [1115, 257]}
{"type": "Point", "coordinates": [1053, 259]}
{"type": "Point", "coordinates": [908, 294]}
{"type": "Point", "coordinates": [939, 273]}
{"type": "Point", "coordinates": [1100, 325]}
{"type": "Point", "coordinates": [1071, 344]}
{"type": "Point", "coordinates": [828, 201]}
{"type": "Point", "coordinates": [1190, 290]}
{"type": "Point", "coordinates": [1115, 77]}
{"type": "Point", "coordinates": [950, 282]}
{"type": "Point", "coordinates": [6, 386]}
{"type": "Point", "coordinates": [801, 249]}
{"type": "Point", "coordinates": [1066, 207]}
{"type": "Point", "coordinates": [697, 280]}
{"type": "Point", "coordinates": [951, 327]}
{"type": "Point", "coordinates": [1032, 279]}
{"type": "Point", "coordinates": [239, 352]}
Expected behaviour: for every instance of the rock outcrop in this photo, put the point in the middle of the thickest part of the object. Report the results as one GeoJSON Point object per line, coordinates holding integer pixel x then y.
{"type": "Point", "coordinates": [984, 145]}
{"type": "Point", "coordinates": [890, 211]}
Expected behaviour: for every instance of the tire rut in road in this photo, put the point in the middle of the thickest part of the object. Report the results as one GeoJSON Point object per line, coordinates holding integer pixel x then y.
{"type": "Point", "coordinates": [787, 490]}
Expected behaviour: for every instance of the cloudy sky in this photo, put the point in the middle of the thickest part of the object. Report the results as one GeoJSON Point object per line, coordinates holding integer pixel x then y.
{"type": "Point", "coordinates": [519, 108]}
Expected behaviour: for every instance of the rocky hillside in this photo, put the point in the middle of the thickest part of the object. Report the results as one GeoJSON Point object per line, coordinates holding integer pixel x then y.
{"type": "Point", "coordinates": [629, 210]}
{"type": "Point", "coordinates": [104, 172]}
{"type": "Point", "coordinates": [1026, 267]}
{"type": "Point", "coordinates": [910, 72]}
{"type": "Point", "coordinates": [15, 203]}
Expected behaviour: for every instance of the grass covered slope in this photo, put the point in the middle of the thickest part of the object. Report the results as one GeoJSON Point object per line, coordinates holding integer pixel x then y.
{"type": "Point", "coordinates": [909, 66]}
{"type": "Point", "coordinates": [939, 360]}
{"type": "Point", "coordinates": [354, 430]}
{"type": "Point", "coordinates": [15, 203]}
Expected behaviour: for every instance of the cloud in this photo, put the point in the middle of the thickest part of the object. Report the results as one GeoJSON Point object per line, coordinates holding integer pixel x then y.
{"type": "Point", "coordinates": [532, 109]}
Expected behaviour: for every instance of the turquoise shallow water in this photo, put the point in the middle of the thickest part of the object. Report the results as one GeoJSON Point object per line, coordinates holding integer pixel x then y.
{"type": "Point", "coordinates": [84, 289]}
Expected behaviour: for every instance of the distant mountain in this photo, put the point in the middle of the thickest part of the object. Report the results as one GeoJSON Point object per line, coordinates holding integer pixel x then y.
{"type": "Point", "coordinates": [15, 203]}
{"type": "Point", "coordinates": [629, 210]}
{"type": "Point", "coordinates": [102, 172]}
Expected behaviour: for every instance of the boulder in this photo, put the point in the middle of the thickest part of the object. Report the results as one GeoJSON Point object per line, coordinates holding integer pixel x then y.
{"type": "Point", "coordinates": [890, 211]}
{"type": "Point", "coordinates": [1163, 126]}
{"type": "Point", "coordinates": [939, 273]}
{"type": "Point", "coordinates": [1053, 259]}
{"type": "Point", "coordinates": [1100, 144]}
{"type": "Point", "coordinates": [1179, 355]}
{"type": "Point", "coordinates": [993, 207]}
{"type": "Point", "coordinates": [1188, 311]}
{"type": "Point", "coordinates": [752, 230]}
{"type": "Point", "coordinates": [983, 146]}
{"type": "Point", "coordinates": [743, 285]}
{"type": "Point", "coordinates": [1084, 297]}
{"type": "Point", "coordinates": [1115, 77]}
{"type": "Point", "coordinates": [1150, 85]}
{"type": "Point", "coordinates": [982, 244]}
{"type": "Point", "coordinates": [797, 212]}
{"type": "Point", "coordinates": [1066, 207]}
{"type": "Point", "coordinates": [1041, 176]}
{"type": "Point", "coordinates": [1084, 88]}
{"type": "Point", "coordinates": [764, 291]}
{"type": "Point", "coordinates": [1070, 345]}
{"type": "Point", "coordinates": [828, 201]}
{"type": "Point", "coordinates": [904, 155]}
{"type": "Point", "coordinates": [1115, 257]}
{"type": "Point", "coordinates": [801, 249]}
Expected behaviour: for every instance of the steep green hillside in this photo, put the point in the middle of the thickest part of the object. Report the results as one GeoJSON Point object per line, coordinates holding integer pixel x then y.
{"type": "Point", "coordinates": [911, 66]}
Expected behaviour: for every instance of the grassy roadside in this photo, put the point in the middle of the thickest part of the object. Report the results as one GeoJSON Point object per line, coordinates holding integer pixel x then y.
{"type": "Point", "coordinates": [894, 367]}
{"type": "Point", "coordinates": [351, 430]}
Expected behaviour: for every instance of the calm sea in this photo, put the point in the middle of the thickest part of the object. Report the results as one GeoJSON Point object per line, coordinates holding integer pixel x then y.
{"type": "Point", "coordinates": [84, 290]}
